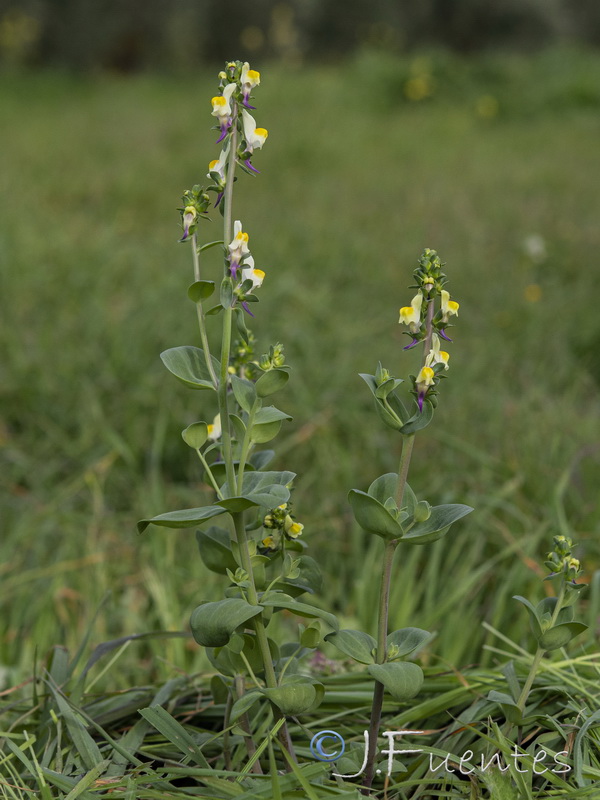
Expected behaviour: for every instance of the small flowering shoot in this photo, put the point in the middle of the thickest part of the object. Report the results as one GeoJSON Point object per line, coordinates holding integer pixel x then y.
{"type": "Point", "coordinates": [389, 508]}
{"type": "Point", "coordinates": [553, 626]}
{"type": "Point", "coordinates": [259, 545]}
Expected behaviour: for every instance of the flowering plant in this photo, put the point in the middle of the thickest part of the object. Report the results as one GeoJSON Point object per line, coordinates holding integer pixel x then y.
{"type": "Point", "coordinates": [262, 550]}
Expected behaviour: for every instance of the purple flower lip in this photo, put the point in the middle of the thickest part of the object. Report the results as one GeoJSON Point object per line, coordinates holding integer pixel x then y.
{"type": "Point", "coordinates": [246, 104]}
{"type": "Point", "coordinates": [443, 334]}
{"type": "Point", "coordinates": [186, 233]}
{"type": "Point", "coordinates": [224, 130]}
{"type": "Point", "coordinates": [412, 344]}
{"type": "Point", "coordinates": [420, 401]}
{"type": "Point", "coordinates": [250, 167]}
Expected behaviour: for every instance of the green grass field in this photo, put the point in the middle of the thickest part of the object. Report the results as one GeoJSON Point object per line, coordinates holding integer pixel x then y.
{"type": "Point", "coordinates": [499, 156]}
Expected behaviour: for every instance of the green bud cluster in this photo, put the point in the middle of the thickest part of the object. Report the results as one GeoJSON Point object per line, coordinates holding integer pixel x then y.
{"type": "Point", "coordinates": [430, 271]}
{"type": "Point", "coordinates": [275, 519]}
{"type": "Point", "coordinates": [560, 559]}
{"type": "Point", "coordinates": [273, 359]}
{"type": "Point", "coordinates": [194, 206]}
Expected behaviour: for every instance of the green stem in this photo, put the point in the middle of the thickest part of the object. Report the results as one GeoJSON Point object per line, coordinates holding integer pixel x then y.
{"type": "Point", "coordinates": [245, 449]}
{"type": "Point", "coordinates": [200, 314]}
{"type": "Point", "coordinates": [238, 519]}
{"type": "Point", "coordinates": [244, 723]}
{"type": "Point", "coordinates": [211, 477]}
{"type": "Point", "coordinates": [248, 666]}
{"type": "Point", "coordinates": [539, 654]}
{"type": "Point", "coordinates": [382, 628]}
{"type": "Point", "coordinates": [259, 627]}
{"type": "Point", "coordinates": [288, 662]}
{"type": "Point", "coordinates": [530, 679]}
{"type": "Point", "coordinates": [223, 401]}
{"type": "Point", "coordinates": [405, 456]}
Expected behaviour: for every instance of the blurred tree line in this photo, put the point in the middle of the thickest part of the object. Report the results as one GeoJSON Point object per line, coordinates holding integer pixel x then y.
{"type": "Point", "coordinates": [129, 35]}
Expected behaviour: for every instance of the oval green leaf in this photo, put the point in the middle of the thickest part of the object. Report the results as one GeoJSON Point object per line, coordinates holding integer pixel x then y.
{"type": "Point", "coordinates": [280, 601]}
{"type": "Point", "coordinates": [244, 392]}
{"type": "Point", "coordinates": [215, 550]}
{"type": "Point", "coordinates": [213, 624]}
{"type": "Point", "coordinates": [356, 644]}
{"type": "Point", "coordinates": [419, 420]}
{"type": "Point", "coordinates": [184, 518]}
{"type": "Point", "coordinates": [189, 366]}
{"type": "Point", "coordinates": [561, 635]}
{"type": "Point", "coordinates": [271, 382]}
{"type": "Point", "coordinates": [437, 524]}
{"type": "Point", "coordinates": [373, 517]}
{"type": "Point", "coordinates": [195, 435]}
{"type": "Point", "coordinates": [298, 695]}
{"type": "Point", "coordinates": [402, 679]}
{"type": "Point", "coordinates": [200, 290]}
{"type": "Point", "coordinates": [407, 640]}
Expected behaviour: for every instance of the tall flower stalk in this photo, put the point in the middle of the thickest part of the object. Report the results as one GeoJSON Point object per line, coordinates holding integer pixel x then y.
{"type": "Point", "coordinates": [390, 508]}
{"type": "Point", "coordinates": [268, 571]}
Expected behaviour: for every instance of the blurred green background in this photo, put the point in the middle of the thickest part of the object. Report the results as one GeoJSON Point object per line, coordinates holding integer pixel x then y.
{"type": "Point", "coordinates": [129, 35]}
{"type": "Point", "coordinates": [393, 127]}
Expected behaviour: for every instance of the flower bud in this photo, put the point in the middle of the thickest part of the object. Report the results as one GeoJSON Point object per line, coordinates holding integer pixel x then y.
{"type": "Point", "coordinates": [422, 511]}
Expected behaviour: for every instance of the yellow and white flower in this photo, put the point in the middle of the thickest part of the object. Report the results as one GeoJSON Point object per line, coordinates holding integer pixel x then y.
{"type": "Point", "coordinates": [255, 137]}
{"type": "Point", "coordinates": [238, 247]}
{"type": "Point", "coordinates": [215, 430]}
{"type": "Point", "coordinates": [222, 109]}
{"type": "Point", "coordinates": [250, 273]}
{"type": "Point", "coordinates": [411, 315]}
{"type": "Point", "coordinates": [188, 219]}
{"type": "Point", "coordinates": [219, 164]}
{"type": "Point", "coordinates": [292, 529]}
{"type": "Point", "coordinates": [249, 79]}
{"type": "Point", "coordinates": [437, 356]}
{"type": "Point", "coordinates": [449, 307]}
{"type": "Point", "coordinates": [425, 379]}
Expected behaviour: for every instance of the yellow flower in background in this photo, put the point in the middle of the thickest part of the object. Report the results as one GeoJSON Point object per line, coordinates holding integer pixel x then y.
{"type": "Point", "coordinates": [533, 293]}
{"type": "Point", "coordinates": [487, 106]}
